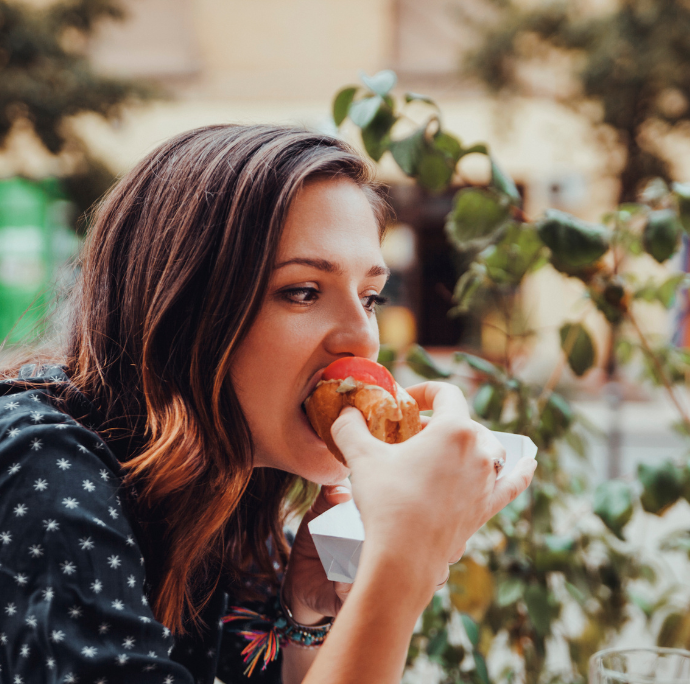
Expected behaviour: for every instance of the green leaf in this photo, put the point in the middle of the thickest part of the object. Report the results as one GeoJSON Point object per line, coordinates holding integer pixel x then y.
{"type": "Point", "coordinates": [682, 192]}
{"type": "Point", "coordinates": [613, 504]}
{"type": "Point", "coordinates": [578, 346]}
{"type": "Point", "coordinates": [381, 83]}
{"type": "Point", "coordinates": [422, 364]}
{"type": "Point", "coordinates": [541, 608]}
{"type": "Point", "coordinates": [675, 631]}
{"type": "Point", "coordinates": [510, 591]}
{"type": "Point", "coordinates": [448, 145]}
{"type": "Point", "coordinates": [576, 441]}
{"type": "Point", "coordinates": [677, 541]}
{"type": "Point", "coordinates": [467, 286]}
{"type": "Point", "coordinates": [519, 252]}
{"type": "Point", "coordinates": [342, 102]}
{"type": "Point", "coordinates": [376, 135]}
{"type": "Point", "coordinates": [685, 482]}
{"type": "Point", "coordinates": [662, 486]}
{"type": "Point", "coordinates": [574, 244]}
{"type": "Point", "coordinates": [611, 300]}
{"type": "Point", "coordinates": [661, 234]}
{"type": "Point", "coordinates": [480, 148]}
{"type": "Point", "coordinates": [556, 417]}
{"type": "Point", "coordinates": [504, 183]}
{"type": "Point", "coordinates": [624, 351]}
{"type": "Point", "coordinates": [362, 112]}
{"type": "Point", "coordinates": [416, 97]}
{"type": "Point", "coordinates": [555, 553]}
{"type": "Point", "coordinates": [480, 667]}
{"type": "Point", "coordinates": [471, 627]}
{"type": "Point", "coordinates": [479, 364]}
{"type": "Point", "coordinates": [387, 356]}
{"type": "Point", "coordinates": [642, 602]}
{"type": "Point", "coordinates": [437, 644]}
{"type": "Point", "coordinates": [576, 593]}
{"type": "Point", "coordinates": [477, 214]}
{"type": "Point", "coordinates": [434, 171]}
{"type": "Point", "coordinates": [488, 402]}
{"type": "Point", "coordinates": [408, 151]}
{"type": "Point", "coordinates": [671, 287]}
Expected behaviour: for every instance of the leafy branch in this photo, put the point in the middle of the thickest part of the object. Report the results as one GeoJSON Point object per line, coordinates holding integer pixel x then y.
{"type": "Point", "coordinates": [509, 584]}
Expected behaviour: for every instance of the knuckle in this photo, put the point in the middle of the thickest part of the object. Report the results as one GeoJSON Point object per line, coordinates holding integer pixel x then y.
{"type": "Point", "coordinates": [514, 491]}
{"type": "Point", "coordinates": [464, 432]}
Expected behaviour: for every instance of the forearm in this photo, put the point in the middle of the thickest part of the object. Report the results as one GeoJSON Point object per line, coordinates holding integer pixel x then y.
{"type": "Point", "coordinates": [296, 662]}
{"type": "Point", "coordinates": [370, 638]}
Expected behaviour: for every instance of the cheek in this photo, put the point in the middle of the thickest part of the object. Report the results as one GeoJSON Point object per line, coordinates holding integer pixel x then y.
{"type": "Point", "coordinates": [270, 362]}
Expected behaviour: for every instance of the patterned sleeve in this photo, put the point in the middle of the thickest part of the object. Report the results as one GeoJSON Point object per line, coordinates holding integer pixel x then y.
{"type": "Point", "coordinates": [72, 603]}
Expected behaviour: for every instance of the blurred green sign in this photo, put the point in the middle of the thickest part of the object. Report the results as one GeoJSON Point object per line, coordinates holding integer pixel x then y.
{"type": "Point", "coordinates": [36, 251]}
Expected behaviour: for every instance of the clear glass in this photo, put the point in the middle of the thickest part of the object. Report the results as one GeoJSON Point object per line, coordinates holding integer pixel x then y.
{"type": "Point", "coordinates": [640, 666]}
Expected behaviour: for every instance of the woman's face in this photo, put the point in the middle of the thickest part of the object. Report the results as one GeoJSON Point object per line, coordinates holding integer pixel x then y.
{"type": "Point", "coordinates": [319, 307]}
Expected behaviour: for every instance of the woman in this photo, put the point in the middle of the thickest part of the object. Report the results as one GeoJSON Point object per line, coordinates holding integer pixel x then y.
{"type": "Point", "coordinates": [145, 479]}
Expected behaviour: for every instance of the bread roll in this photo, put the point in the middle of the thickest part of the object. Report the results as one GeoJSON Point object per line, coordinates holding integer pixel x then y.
{"type": "Point", "coordinates": [390, 419]}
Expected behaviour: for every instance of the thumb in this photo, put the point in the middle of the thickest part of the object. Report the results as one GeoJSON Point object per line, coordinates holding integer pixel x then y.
{"type": "Point", "coordinates": [510, 487]}
{"type": "Point", "coordinates": [351, 435]}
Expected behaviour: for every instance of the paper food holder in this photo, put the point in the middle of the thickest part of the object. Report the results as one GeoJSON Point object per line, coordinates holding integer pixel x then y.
{"type": "Point", "coordinates": [338, 533]}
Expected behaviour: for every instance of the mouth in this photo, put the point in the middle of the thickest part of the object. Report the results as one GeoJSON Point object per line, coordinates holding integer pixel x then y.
{"type": "Point", "coordinates": [311, 386]}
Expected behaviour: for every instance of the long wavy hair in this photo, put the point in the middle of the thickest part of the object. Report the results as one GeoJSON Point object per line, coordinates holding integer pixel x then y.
{"type": "Point", "coordinates": [173, 273]}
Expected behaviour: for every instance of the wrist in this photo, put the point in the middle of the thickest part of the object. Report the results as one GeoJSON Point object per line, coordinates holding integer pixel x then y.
{"type": "Point", "coordinates": [298, 611]}
{"type": "Point", "coordinates": [413, 574]}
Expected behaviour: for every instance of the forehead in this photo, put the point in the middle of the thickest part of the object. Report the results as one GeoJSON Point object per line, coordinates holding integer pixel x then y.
{"type": "Point", "coordinates": [331, 215]}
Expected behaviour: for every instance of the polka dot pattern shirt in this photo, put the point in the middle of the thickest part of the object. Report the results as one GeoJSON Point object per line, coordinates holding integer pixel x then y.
{"type": "Point", "coordinates": [73, 592]}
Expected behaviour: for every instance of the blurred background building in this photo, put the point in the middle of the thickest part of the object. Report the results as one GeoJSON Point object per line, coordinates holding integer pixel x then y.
{"type": "Point", "coordinates": [282, 62]}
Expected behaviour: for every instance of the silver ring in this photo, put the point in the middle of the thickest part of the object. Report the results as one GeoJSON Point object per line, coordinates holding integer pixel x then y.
{"type": "Point", "coordinates": [445, 580]}
{"type": "Point", "coordinates": [498, 464]}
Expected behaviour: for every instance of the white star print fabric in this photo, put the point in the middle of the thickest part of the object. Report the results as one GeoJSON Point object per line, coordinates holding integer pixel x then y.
{"type": "Point", "coordinates": [72, 599]}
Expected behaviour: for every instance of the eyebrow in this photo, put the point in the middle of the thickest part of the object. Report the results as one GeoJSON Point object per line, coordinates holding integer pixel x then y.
{"type": "Point", "coordinates": [330, 267]}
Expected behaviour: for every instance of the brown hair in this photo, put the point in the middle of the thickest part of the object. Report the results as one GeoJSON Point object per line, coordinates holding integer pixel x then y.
{"type": "Point", "coordinates": [174, 271]}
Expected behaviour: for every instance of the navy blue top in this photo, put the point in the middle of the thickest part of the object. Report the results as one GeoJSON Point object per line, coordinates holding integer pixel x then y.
{"type": "Point", "coordinates": [74, 601]}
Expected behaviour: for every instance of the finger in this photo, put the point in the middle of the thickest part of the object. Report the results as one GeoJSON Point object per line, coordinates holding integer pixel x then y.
{"type": "Point", "coordinates": [510, 487]}
{"type": "Point", "coordinates": [488, 444]}
{"type": "Point", "coordinates": [424, 420]}
{"type": "Point", "coordinates": [331, 495]}
{"type": "Point", "coordinates": [457, 555]}
{"type": "Point", "coordinates": [342, 591]}
{"type": "Point", "coordinates": [351, 435]}
{"type": "Point", "coordinates": [445, 399]}
{"type": "Point", "coordinates": [338, 493]}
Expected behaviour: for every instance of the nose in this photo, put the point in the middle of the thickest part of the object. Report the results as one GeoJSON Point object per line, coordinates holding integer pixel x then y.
{"type": "Point", "coordinates": [353, 331]}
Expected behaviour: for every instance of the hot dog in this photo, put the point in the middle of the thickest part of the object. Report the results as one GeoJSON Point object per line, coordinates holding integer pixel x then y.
{"type": "Point", "coordinates": [392, 415]}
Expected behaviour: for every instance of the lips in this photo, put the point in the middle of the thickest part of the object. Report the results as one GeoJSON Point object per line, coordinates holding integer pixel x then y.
{"type": "Point", "coordinates": [311, 386]}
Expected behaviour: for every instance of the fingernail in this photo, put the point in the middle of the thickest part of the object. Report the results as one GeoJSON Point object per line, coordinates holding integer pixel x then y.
{"type": "Point", "coordinates": [534, 466]}
{"type": "Point", "coordinates": [340, 489]}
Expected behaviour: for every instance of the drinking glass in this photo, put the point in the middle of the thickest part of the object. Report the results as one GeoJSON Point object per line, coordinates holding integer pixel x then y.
{"type": "Point", "coordinates": [640, 666]}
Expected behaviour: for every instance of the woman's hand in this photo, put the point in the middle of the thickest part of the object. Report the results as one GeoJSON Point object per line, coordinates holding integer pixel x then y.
{"type": "Point", "coordinates": [423, 499]}
{"type": "Point", "coordinates": [307, 591]}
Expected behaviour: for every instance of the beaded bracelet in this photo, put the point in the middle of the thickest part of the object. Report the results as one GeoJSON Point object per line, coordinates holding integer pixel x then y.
{"type": "Point", "coordinates": [266, 633]}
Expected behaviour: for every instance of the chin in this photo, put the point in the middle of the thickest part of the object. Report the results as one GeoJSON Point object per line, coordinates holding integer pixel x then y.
{"type": "Point", "coordinates": [322, 468]}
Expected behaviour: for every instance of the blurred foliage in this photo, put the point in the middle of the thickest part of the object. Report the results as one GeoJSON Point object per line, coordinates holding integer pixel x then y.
{"type": "Point", "coordinates": [559, 546]}
{"type": "Point", "coordinates": [630, 57]}
{"type": "Point", "coordinates": [46, 78]}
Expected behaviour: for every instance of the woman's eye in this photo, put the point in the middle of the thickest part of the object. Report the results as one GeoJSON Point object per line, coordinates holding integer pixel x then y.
{"type": "Point", "coordinates": [300, 295]}
{"type": "Point", "coordinates": [307, 295]}
{"type": "Point", "coordinates": [374, 301]}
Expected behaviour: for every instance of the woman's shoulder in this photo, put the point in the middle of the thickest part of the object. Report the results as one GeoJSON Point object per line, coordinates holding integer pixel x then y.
{"type": "Point", "coordinates": [36, 431]}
